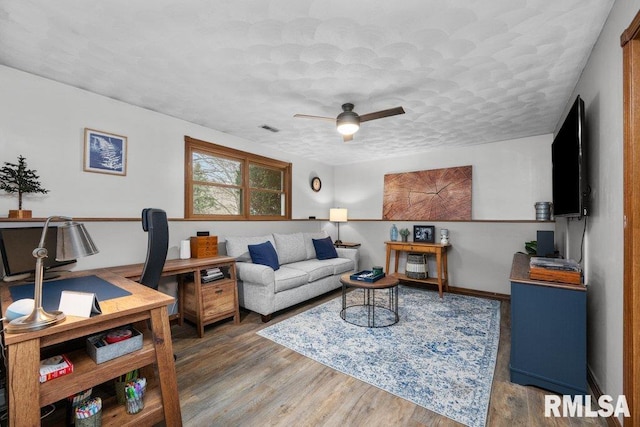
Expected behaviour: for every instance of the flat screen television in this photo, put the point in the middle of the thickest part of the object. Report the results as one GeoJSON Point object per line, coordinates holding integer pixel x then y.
{"type": "Point", "coordinates": [569, 166]}
{"type": "Point", "coordinates": [17, 245]}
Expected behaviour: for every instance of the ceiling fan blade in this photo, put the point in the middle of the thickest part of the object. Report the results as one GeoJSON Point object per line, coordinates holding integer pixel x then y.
{"type": "Point", "coordinates": [347, 138]}
{"type": "Point", "coordinates": [381, 114]}
{"type": "Point", "coordinates": [306, 116]}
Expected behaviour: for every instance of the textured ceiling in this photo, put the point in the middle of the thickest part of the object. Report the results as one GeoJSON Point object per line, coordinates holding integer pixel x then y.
{"type": "Point", "coordinates": [465, 71]}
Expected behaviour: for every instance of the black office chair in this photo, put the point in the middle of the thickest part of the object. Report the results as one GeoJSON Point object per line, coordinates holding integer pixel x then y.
{"type": "Point", "coordinates": [154, 221]}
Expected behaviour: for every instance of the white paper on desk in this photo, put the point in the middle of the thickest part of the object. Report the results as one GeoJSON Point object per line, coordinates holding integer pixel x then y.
{"type": "Point", "coordinates": [82, 304]}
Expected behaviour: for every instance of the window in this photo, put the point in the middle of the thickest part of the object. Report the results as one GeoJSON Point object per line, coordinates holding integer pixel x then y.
{"type": "Point", "coordinates": [223, 183]}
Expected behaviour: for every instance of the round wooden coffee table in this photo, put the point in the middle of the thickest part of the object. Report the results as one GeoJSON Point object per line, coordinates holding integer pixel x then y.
{"type": "Point", "coordinates": [374, 312]}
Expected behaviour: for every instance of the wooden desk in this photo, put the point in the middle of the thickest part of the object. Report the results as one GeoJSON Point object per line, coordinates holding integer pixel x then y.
{"type": "Point", "coordinates": [200, 303]}
{"type": "Point", "coordinates": [172, 267]}
{"type": "Point", "coordinates": [26, 395]}
{"type": "Point", "coordinates": [437, 249]}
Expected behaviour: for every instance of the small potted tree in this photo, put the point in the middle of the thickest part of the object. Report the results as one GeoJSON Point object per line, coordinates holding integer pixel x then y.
{"type": "Point", "coordinates": [17, 178]}
{"type": "Point", "coordinates": [404, 232]}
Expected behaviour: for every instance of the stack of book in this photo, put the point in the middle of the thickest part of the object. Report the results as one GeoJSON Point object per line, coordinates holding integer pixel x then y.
{"type": "Point", "coordinates": [55, 367]}
{"type": "Point", "coordinates": [211, 274]}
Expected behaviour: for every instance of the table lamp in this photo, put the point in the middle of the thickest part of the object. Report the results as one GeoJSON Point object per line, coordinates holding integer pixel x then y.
{"type": "Point", "coordinates": [73, 242]}
{"type": "Point", "coordinates": [338, 215]}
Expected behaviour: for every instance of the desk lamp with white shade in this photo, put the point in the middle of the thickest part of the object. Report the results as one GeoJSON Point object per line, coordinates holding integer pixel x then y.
{"type": "Point", "coordinates": [73, 242]}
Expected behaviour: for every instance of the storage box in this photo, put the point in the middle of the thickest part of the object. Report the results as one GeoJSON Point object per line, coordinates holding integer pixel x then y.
{"type": "Point", "coordinates": [366, 276]}
{"type": "Point", "coordinates": [559, 276]}
{"type": "Point", "coordinates": [101, 352]}
{"type": "Point", "coordinates": [204, 246]}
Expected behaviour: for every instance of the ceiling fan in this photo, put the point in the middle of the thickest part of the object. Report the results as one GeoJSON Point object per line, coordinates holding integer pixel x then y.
{"type": "Point", "coordinates": [348, 122]}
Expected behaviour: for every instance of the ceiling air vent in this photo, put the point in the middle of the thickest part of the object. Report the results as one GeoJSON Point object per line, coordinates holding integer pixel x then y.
{"type": "Point", "coordinates": [270, 129]}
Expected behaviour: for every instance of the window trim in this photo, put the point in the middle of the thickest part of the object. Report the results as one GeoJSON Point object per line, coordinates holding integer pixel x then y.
{"type": "Point", "coordinates": [246, 158]}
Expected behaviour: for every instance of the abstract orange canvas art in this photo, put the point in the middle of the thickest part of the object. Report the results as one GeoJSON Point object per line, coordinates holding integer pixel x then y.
{"type": "Point", "coordinates": [436, 194]}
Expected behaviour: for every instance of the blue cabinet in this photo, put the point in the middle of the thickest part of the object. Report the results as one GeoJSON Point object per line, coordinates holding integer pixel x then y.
{"type": "Point", "coordinates": [548, 332]}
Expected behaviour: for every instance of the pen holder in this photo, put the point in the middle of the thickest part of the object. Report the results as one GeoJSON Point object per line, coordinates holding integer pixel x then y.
{"type": "Point", "coordinates": [94, 420]}
{"type": "Point", "coordinates": [89, 413]}
{"type": "Point", "coordinates": [134, 395]}
{"type": "Point", "coordinates": [119, 386]}
{"type": "Point", "coordinates": [121, 382]}
{"type": "Point", "coordinates": [135, 404]}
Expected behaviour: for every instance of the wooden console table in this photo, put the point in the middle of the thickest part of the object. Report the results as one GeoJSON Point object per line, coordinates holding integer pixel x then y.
{"type": "Point", "coordinates": [437, 249]}
{"type": "Point", "coordinates": [26, 395]}
{"type": "Point", "coordinates": [201, 303]}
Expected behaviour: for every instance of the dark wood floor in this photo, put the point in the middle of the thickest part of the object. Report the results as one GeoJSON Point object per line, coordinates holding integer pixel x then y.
{"type": "Point", "coordinates": [233, 377]}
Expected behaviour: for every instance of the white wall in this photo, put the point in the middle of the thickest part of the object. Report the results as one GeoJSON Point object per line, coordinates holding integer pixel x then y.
{"type": "Point", "coordinates": [509, 177]}
{"type": "Point", "coordinates": [44, 121]}
{"type": "Point", "coordinates": [479, 258]}
{"type": "Point", "coordinates": [601, 88]}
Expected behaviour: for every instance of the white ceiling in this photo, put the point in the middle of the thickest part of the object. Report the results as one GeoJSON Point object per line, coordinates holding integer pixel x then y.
{"type": "Point", "coordinates": [465, 71]}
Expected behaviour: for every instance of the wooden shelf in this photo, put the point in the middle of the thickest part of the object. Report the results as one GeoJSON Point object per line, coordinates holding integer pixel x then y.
{"type": "Point", "coordinates": [87, 373]}
{"type": "Point", "coordinates": [404, 278]}
{"type": "Point", "coordinates": [115, 414]}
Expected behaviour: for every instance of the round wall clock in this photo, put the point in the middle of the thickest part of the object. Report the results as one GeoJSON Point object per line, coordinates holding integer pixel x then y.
{"type": "Point", "coordinates": [316, 184]}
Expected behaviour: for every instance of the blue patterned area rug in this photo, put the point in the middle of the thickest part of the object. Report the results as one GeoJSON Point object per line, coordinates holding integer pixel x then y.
{"type": "Point", "coordinates": [441, 355]}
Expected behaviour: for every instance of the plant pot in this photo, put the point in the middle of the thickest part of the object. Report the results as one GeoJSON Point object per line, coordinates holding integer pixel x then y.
{"type": "Point", "coordinates": [405, 238]}
{"type": "Point", "coordinates": [14, 213]}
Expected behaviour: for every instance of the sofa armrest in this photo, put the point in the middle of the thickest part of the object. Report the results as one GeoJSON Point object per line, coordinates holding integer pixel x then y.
{"type": "Point", "coordinates": [255, 273]}
{"type": "Point", "coordinates": [351, 253]}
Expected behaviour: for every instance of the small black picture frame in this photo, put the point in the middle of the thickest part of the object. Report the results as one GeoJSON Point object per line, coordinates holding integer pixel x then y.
{"type": "Point", "coordinates": [424, 233]}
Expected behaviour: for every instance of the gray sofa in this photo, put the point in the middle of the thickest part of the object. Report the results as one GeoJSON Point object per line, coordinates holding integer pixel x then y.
{"type": "Point", "coordinates": [301, 275]}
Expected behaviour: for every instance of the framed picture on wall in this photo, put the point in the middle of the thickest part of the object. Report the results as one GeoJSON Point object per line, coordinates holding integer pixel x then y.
{"type": "Point", "coordinates": [424, 233]}
{"type": "Point", "coordinates": [105, 152]}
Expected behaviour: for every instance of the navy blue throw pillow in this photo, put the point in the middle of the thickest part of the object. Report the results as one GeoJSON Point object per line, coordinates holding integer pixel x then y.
{"type": "Point", "coordinates": [265, 254]}
{"type": "Point", "coordinates": [324, 248]}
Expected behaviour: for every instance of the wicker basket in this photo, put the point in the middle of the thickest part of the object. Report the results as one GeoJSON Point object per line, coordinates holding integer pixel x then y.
{"type": "Point", "coordinates": [416, 266]}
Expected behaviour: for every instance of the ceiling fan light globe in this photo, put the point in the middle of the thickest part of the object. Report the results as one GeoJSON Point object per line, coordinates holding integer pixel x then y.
{"type": "Point", "coordinates": [348, 123]}
{"type": "Point", "coordinates": [348, 128]}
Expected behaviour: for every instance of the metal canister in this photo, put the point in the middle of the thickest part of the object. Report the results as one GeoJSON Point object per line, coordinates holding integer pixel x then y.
{"type": "Point", "coordinates": [543, 211]}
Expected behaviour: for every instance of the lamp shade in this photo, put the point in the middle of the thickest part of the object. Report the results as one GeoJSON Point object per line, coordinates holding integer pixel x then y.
{"type": "Point", "coordinates": [74, 242]}
{"type": "Point", "coordinates": [338, 215]}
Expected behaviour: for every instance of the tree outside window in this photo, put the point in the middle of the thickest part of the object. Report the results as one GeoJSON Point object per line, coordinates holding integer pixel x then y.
{"type": "Point", "coordinates": [220, 182]}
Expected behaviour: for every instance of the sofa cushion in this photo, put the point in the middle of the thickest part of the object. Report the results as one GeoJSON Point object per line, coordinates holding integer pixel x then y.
{"type": "Point", "coordinates": [290, 247]}
{"type": "Point", "coordinates": [315, 268]}
{"type": "Point", "coordinates": [265, 254]}
{"type": "Point", "coordinates": [289, 278]}
{"type": "Point", "coordinates": [238, 246]}
{"type": "Point", "coordinates": [340, 265]}
{"type": "Point", "coordinates": [308, 242]}
{"type": "Point", "coordinates": [324, 248]}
